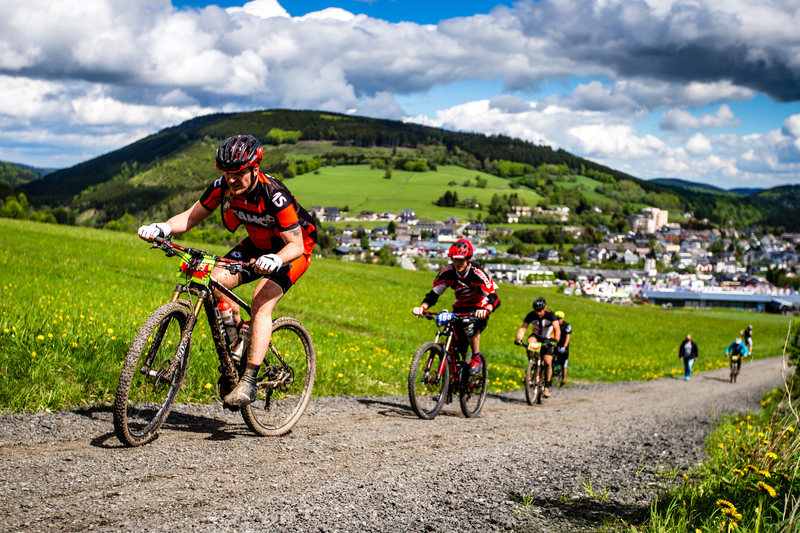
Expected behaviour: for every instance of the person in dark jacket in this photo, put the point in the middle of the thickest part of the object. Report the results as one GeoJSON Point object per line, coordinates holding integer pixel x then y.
{"type": "Point", "coordinates": [687, 352]}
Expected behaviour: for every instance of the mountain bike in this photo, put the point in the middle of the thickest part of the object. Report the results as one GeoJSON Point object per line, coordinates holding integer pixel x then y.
{"type": "Point", "coordinates": [440, 368]}
{"type": "Point", "coordinates": [158, 358]}
{"type": "Point", "coordinates": [535, 371]}
{"type": "Point", "coordinates": [735, 366]}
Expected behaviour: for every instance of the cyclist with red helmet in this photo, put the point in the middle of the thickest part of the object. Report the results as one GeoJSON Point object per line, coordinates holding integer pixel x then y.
{"type": "Point", "coordinates": [278, 247]}
{"type": "Point", "coordinates": [545, 328]}
{"type": "Point", "coordinates": [475, 293]}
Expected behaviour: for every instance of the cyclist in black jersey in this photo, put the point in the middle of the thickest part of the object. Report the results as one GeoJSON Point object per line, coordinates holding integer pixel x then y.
{"type": "Point", "coordinates": [545, 329]}
{"type": "Point", "coordinates": [748, 338]}
{"type": "Point", "coordinates": [562, 350]}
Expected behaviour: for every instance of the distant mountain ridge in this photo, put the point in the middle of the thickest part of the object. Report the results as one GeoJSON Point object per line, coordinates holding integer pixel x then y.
{"type": "Point", "coordinates": [693, 185]}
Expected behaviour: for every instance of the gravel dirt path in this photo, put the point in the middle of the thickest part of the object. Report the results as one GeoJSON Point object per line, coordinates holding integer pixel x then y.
{"type": "Point", "coordinates": [369, 464]}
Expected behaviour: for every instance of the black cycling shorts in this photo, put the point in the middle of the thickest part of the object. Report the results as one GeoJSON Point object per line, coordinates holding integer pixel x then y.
{"type": "Point", "coordinates": [245, 251]}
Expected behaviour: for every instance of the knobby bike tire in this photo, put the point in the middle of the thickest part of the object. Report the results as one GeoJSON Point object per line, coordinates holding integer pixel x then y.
{"type": "Point", "coordinates": [533, 381]}
{"type": "Point", "coordinates": [144, 398]}
{"type": "Point", "coordinates": [427, 391]}
{"type": "Point", "coordinates": [473, 393]}
{"type": "Point", "coordinates": [284, 389]}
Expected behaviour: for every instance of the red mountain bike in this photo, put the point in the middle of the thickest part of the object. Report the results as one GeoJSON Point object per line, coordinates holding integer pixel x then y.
{"type": "Point", "coordinates": [158, 358]}
{"type": "Point", "coordinates": [439, 368]}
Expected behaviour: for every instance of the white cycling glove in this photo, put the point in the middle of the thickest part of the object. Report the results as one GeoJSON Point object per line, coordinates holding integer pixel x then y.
{"type": "Point", "coordinates": [419, 311]}
{"type": "Point", "coordinates": [156, 229]}
{"type": "Point", "coordinates": [269, 262]}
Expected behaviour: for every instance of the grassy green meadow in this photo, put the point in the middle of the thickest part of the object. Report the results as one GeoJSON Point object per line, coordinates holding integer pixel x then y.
{"type": "Point", "coordinates": [72, 298]}
{"type": "Point", "coordinates": [364, 189]}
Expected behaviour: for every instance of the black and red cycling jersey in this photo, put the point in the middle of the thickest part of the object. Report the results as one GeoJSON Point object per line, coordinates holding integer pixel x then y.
{"type": "Point", "coordinates": [474, 290]}
{"type": "Point", "coordinates": [266, 210]}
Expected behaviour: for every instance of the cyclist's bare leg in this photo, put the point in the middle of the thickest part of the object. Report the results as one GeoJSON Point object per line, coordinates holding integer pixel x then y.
{"type": "Point", "coordinates": [548, 368]}
{"type": "Point", "coordinates": [475, 343]}
{"type": "Point", "coordinates": [230, 281]}
{"type": "Point", "coordinates": [266, 296]}
{"type": "Point", "coordinates": [563, 374]}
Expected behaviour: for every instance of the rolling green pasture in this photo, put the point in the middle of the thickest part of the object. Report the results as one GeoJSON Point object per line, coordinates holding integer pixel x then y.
{"type": "Point", "coordinates": [72, 298]}
{"type": "Point", "coordinates": [364, 189]}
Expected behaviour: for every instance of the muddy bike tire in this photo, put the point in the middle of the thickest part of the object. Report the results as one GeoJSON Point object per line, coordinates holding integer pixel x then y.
{"type": "Point", "coordinates": [473, 393]}
{"type": "Point", "coordinates": [427, 391]}
{"type": "Point", "coordinates": [144, 399]}
{"type": "Point", "coordinates": [278, 408]}
{"type": "Point", "coordinates": [533, 381]}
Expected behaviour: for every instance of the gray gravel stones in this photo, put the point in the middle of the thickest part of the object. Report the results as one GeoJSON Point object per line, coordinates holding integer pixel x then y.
{"type": "Point", "coordinates": [357, 464]}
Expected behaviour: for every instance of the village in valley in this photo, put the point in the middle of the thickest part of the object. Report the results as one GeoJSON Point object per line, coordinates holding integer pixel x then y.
{"type": "Point", "coordinates": [655, 261]}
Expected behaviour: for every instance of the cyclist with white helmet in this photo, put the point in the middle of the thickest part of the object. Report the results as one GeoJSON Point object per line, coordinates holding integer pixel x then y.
{"type": "Point", "coordinates": [546, 329]}
{"type": "Point", "coordinates": [475, 293]}
{"type": "Point", "coordinates": [281, 236]}
{"type": "Point", "coordinates": [562, 350]}
{"type": "Point", "coordinates": [737, 347]}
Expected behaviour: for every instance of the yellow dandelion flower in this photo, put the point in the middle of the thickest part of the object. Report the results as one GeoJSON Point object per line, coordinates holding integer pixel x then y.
{"type": "Point", "coordinates": [49, 335]}
{"type": "Point", "coordinates": [5, 330]}
{"type": "Point", "coordinates": [110, 331]}
{"type": "Point", "coordinates": [721, 446]}
{"type": "Point", "coordinates": [764, 473]}
{"type": "Point", "coordinates": [726, 503]}
{"type": "Point", "coordinates": [750, 467]}
{"type": "Point", "coordinates": [766, 488]}
{"type": "Point", "coordinates": [33, 354]}
{"type": "Point", "coordinates": [340, 375]}
{"type": "Point", "coordinates": [765, 441]}
{"type": "Point", "coordinates": [737, 471]}
{"type": "Point", "coordinates": [40, 337]}
{"type": "Point", "coordinates": [790, 429]}
{"type": "Point", "coordinates": [74, 344]}
{"type": "Point", "coordinates": [208, 385]}
{"type": "Point", "coordinates": [761, 434]}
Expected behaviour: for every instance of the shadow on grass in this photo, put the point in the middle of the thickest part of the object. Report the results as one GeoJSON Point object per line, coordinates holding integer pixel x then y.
{"type": "Point", "coordinates": [583, 513]}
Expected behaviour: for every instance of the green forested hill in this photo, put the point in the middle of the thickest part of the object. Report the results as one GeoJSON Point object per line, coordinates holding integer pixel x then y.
{"type": "Point", "coordinates": [166, 171]}
{"type": "Point", "coordinates": [164, 147]}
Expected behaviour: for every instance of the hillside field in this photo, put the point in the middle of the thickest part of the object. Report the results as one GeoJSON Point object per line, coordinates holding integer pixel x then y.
{"type": "Point", "coordinates": [72, 298]}
{"type": "Point", "coordinates": [364, 189]}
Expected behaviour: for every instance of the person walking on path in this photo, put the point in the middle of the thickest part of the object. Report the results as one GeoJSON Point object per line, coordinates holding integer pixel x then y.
{"type": "Point", "coordinates": [687, 352]}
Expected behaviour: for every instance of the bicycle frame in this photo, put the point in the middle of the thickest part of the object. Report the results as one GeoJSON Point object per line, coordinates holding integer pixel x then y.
{"type": "Point", "coordinates": [196, 268]}
{"type": "Point", "coordinates": [451, 355]}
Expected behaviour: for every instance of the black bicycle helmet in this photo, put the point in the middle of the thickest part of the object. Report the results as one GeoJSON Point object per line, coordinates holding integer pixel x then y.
{"type": "Point", "coordinates": [461, 249]}
{"type": "Point", "coordinates": [539, 304]}
{"type": "Point", "coordinates": [238, 152]}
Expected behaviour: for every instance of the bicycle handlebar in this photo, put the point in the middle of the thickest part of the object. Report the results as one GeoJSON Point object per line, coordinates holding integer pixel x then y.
{"type": "Point", "coordinates": [430, 315]}
{"type": "Point", "coordinates": [169, 248]}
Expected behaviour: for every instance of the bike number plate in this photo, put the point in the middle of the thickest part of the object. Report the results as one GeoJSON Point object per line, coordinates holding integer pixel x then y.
{"type": "Point", "coordinates": [198, 269]}
{"type": "Point", "coordinates": [534, 346]}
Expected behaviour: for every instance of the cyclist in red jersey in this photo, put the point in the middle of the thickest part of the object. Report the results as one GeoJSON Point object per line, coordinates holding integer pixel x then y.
{"type": "Point", "coordinates": [281, 236]}
{"type": "Point", "coordinates": [475, 292]}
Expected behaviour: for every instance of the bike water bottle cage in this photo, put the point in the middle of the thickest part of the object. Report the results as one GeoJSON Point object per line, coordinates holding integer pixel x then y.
{"type": "Point", "coordinates": [445, 317]}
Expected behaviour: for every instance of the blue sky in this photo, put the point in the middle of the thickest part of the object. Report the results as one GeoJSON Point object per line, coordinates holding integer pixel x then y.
{"type": "Point", "coordinates": [702, 90]}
